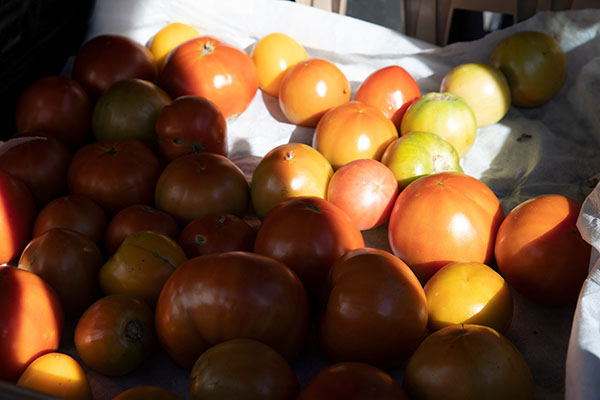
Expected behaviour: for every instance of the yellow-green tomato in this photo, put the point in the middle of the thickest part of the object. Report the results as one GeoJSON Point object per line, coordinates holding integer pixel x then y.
{"type": "Point", "coordinates": [483, 87]}
{"type": "Point", "coordinates": [444, 114]}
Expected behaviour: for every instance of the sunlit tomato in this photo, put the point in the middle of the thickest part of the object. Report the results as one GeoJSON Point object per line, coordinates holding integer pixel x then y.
{"type": "Point", "coordinates": [147, 392]}
{"type": "Point", "coordinates": [467, 362]}
{"type": "Point", "coordinates": [352, 381]}
{"type": "Point", "coordinates": [289, 170]}
{"type": "Point", "coordinates": [57, 374]}
{"type": "Point", "coordinates": [203, 183]}
{"type": "Point", "coordinates": [169, 37]}
{"type": "Point", "coordinates": [418, 154]}
{"type": "Point", "coordinates": [141, 266]}
{"type": "Point", "coordinates": [75, 212]}
{"type": "Point", "coordinates": [391, 89]}
{"type": "Point", "coordinates": [353, 131]}
{"type": "Point", "coordinates": [40, 162]}
{"type": "Point", "coordinates": [190, 124]}
{"type": "Point", "coordinates": [106, 59]}
{"type": "Point", "coordinates": [17, 214]}
{"type": "Point", "coordinates": [442, 218]}
{"type": "Point", "coordinates": [307, 234]}
{"type": "Point", "coordinates": [311, 88]}
{"type": "Point", "coordinates": [135, 218]}
{"type": "Point", "coordinates": [534, 64]}
{"type": "Point", "coordinates": [69, 261]}
{"type": "Point", "coordinates": [242, 369]}
{"type": "Point", "coordinates": [115, 173]}
{"type": "Point", "coordinates": [365, 190]}
{"type": "Point", "coordinates": [215, 233]}
{"type": "Point", "coordinates": [31, 320]}
{"type": "Point", "coordinates": [207, 67]}
{"type": "Point", "coordinates": [222, 296]}
{"type": "Point", "coordinates": [540, 251]}
{"type": "Point", "coordinates": [273, 54]}
{"type": "Point", "coordinates": [468, 293]}
{"type": "Point", "coordinates": [115, 335]}
{"type": "Point", "coordinates": [444, 114]}
{"type": "Point", "coordinates": [375, 311]}
{"type": "Point", "coordinates": [57, 106]}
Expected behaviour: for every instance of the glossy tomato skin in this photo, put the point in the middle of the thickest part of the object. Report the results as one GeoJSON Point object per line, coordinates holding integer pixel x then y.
{"type": "Point", "coordinates": [442, 218]}
{"type": "Point", "coordinates": [222, 296]}
{"type": "Point", "coordinates": [31, 320]}
{"type": "Point", "coordinates": [540, 251]}
{"type": "Point", "coordinates": [206, 67]}
{"type": "Point", "coordinates": [169, 37]}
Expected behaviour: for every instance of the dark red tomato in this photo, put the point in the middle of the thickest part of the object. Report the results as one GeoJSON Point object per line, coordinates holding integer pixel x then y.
{"type": "Point", "coordinates": [115, 174]}
{"type": "Point", "coordinates": [190, 124]}
{"type": "Point", "coordinates": [57, 106]}
{"type": "Point", "coordinates": [106, 59]}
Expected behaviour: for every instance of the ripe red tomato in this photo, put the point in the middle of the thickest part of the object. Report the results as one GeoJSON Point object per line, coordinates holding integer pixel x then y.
{"type": "Point", "coordinates": [442, 218]}
{"type": "Point", "coordinates": [207, 67]}
{"type": "Point", "coordinates": [31, 320]}
{"type": "Point", "coordinates": [540, 251]}
{"type": "Point", "coordinates": [222, 296]}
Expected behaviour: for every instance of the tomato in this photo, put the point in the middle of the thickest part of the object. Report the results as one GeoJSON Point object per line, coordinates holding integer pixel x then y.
{"type": "Point", "coordinates": [311, 88]}
{"type": "Point", "coordinates": [444, 114]}
{"type": "Point", "coordinates": [215, 233]}
{"type": "Point", "coordinates": [540, 251]}
{"type": "Point", "coordinates": [31, 320]}
{"type": "Point", "coordinates": [17, 213]}
{"type": "Point", "coordinates": [352, 381]}
{"type": "Point", "coordinates": [75, 212]}
{"type": "Point", "coordinates": [40, 162]}
{"type": "Point", "coordinates": [242, 369]}
{"type": "Point", "coordinates": [468, 293]}
{"type": "Point", "coordinates": [147, 392]}
{"type": "Point", "coordinates": [273, 54]}
{"type": "Point", "coordinates": [199, 184]}
{"type": "Point", "coordinates": [288, 170]}
{"type": "Point", "coordinates": [106, 59]}
{"type": "Point", "coordinates": [534, 64]}
{"type": "Point", "coordinates": [57, 374]}
{"type": "Point", "coordinates": [169, 37]}
{"type": "Point", "coordinates": [353, 131]}
{"type": "Point", "coordinates": [365, 190]}
{"type": "Point", "coordinates": [128, 109]}
{"type": "Point", "coordinates": [115, 335]}
{"type": "Point", "coordinates": [442, 218]}
{"type": "Point", "coordinates": [207, 67]}
{"type": "Point", "coordinates": [419, 154]}
{"type": "Point", "coordinates": [57, 106]}
{"type": "Point", "coordinates": [467, 362]}
{"type": "Point", "coordinates": [69, 261]}
{"type": "Point", "coordinates": [115, 173]}
{"type": "Point", "coordinates": [135, 218]}
{"type": "Point", "coordinates": [307, 234]}
{"type": "Point", "coordinates": [391, 89]}
{"type": "Point", "coordinates": [222, 296]}
{"type": "Point", "coordinates": [190, 124]}
{"type": "Point", "coordinates": [141, 266]}
{"type": "Point", "coordinates": [483, 87]}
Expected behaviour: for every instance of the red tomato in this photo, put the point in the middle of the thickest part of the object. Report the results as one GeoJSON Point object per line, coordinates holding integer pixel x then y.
{"type": "Point", "coordinates": [31, 320]}
{"type": "Point", "coordinates": [190, 124]}
{"type": "Point", "coordinates": [106, 59]}
{"type": "Point", "coordinates": [365, 190]}
{"type": "Point", "coordinates": [222, 296]}
{"type": "Point", "coordinates": [540, 251]}
{"type": "Point", "coordinates": [442, 218]}
{"type": "Point", "coordinates": [390, 89]}
{"type": "Point", "coordinates": [209, 68]}
{"type": "Point", "coordinates": [115, 174]}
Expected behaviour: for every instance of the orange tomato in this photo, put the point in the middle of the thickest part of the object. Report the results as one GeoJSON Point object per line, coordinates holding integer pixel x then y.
{"type": "Point", "coordinates": [310, 89]}
{"type": "Point", "coordinates": [147, 392]}
{"type": "Point", "coordinates": [169, 37]}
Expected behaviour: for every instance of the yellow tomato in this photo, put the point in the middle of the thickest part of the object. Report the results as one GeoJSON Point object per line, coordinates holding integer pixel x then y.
{"type": "Point", "coordinates": [468, 293]}
{"type": "Point", "coordinates": [57, 374]}
{"type": "Point", "coordinates": [273, 55]}
{"type": "Point", "coordinates": [170, 37]}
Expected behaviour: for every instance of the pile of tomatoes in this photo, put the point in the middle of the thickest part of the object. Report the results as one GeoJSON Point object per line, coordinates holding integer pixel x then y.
{"type": "Point", "coordinates": [122, 213]}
